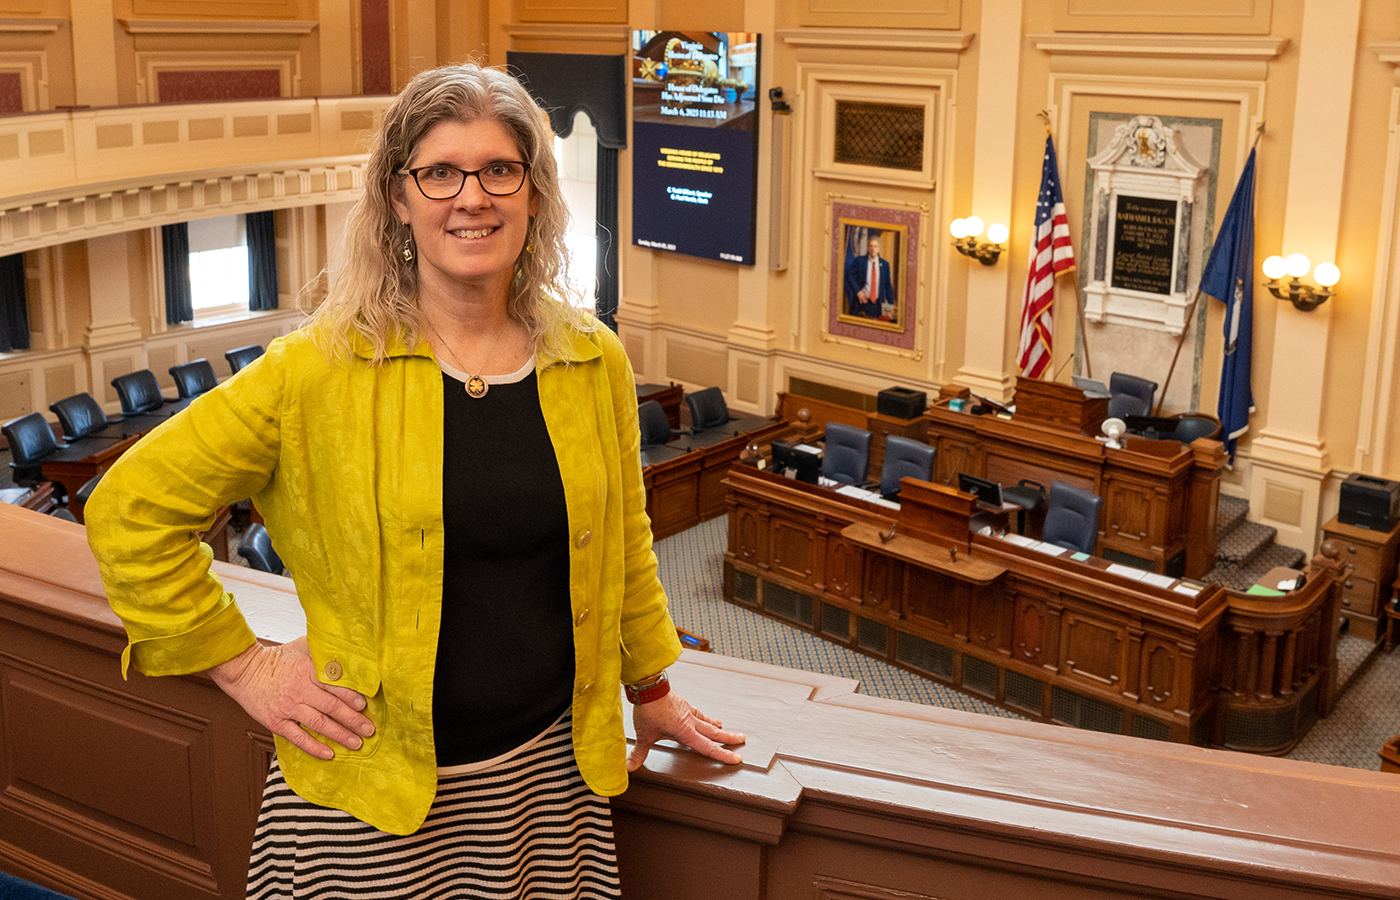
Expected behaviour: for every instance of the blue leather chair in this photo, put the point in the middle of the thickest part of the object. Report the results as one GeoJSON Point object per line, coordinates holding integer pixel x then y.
{"type": "Point", "coordinates": [194, 378]}
{"type": "Point", "coordinates": [239, 357]}
{"type": "Point", "coordinates": [905, 457]}
{"type": "Point", "coordinates": [1072, 518]}
{"type": "Point", "coordinates": [80, 415]}
{"type": "Point", "coordinates": [846, 456]}
{"type": "Point", "coordinates": [1129, 395]}
{"type": "Point", "coordinates": [710, 421]}
{"type": "Point", "coordinates": [139, 392]}
{"type": "Point", "coordinates": [256, 547]}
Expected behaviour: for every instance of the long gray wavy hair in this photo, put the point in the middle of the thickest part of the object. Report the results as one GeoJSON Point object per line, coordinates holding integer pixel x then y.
{"type": "Point", "coordinates": [374, 294]}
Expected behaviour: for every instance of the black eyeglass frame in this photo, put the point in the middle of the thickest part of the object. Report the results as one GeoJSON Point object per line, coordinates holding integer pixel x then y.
{"type": "Point", "coordinates": [524, 176]}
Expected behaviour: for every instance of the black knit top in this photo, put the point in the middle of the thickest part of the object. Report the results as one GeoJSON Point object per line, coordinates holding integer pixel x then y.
{"type": "Point", "coordinates": [505, 661]}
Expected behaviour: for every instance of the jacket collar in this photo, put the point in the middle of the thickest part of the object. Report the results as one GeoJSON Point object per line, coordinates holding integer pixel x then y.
{"type": "Point", "coordinates": [570, 346]}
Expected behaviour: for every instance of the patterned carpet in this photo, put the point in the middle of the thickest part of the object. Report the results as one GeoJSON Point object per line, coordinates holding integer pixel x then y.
{"type": "Point", "coordinates": [1367, 715]}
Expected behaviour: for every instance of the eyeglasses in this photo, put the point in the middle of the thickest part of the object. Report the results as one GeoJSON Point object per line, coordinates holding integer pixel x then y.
{"type": "Point", "coordinates": [499, 179]}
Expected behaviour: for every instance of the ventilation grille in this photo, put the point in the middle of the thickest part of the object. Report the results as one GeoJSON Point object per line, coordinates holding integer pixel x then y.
{"type": "Point", "coordinates": [979, 676]}
{"type": "Point", "coordinates": [924, 655]}
{"type": "Point", "coordinates": [1074, 709]}
{"type": "Point", "coordinates": [1128, 559]}
{"type": "Point", "coordinates": [1151, 729]}
{"type": "Point", "coordinates": [1269, 730]}
{"type": "Point", "coordinates": [836, 622]}
{"type": "Point", "coordinates": [872, 636]}
{"type": "Point", "coordinates": [1026, 692]}
{"type": "Point", "coordinates": [745, 587]}
{"type": "Point", "coordinates": [880, 134]}
{"type": "Point", "coordinates": [786, 602]}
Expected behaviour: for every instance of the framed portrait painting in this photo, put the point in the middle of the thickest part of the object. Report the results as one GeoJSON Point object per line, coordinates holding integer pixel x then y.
{"type": "Point", "coordinates": [873, 275]}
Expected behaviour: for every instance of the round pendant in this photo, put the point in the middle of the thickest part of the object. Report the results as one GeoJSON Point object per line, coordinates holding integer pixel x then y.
{"type": "Point", "coordinates": [476, 387]}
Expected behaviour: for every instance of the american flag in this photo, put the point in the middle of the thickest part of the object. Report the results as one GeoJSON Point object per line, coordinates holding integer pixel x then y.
{"type": "Point", "coordinates": [1051, 254]}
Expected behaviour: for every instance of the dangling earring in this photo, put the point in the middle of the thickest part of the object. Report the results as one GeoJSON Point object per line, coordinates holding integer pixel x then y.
{"type": "Point", "coordinates": [408, 249]}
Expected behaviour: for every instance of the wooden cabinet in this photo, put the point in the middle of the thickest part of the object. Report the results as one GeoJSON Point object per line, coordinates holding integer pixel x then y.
{"type": "Point", "coordinates": [1372, 556]}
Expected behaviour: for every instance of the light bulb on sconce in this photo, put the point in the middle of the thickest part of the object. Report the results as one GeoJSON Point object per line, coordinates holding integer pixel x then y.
{"type": "Point", "coordinates": [965, 233]}
{"type": "Point", "coordinates": [1303, 296]}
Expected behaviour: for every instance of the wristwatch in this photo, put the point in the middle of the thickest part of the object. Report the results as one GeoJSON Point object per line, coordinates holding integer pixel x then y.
{"type": "Point", "coordinates": [653, 688]}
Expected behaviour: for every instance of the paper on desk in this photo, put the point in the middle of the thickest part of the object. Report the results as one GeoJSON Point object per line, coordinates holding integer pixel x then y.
{"type": "Point", "coordinates": [850, 490]}
{"type": "Point", "coordinates": [1126, 571]}
{"type": "Point", "coordinates": [1187, 589]}
{"type": "Point", "coordinates": [1161, 581]}
{"type": "Point", "coordinates": [1048, 549]}
{"type": "Point", "coordinates": [272, 614]}
{"type": "Point", "coordinates": [808, 448]}
{"type": "Point", "coordinates": [1019, 540]}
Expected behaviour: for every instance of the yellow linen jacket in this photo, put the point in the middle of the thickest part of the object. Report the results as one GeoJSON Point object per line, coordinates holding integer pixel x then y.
{"type": "Point", "coordinates": [344, 461]}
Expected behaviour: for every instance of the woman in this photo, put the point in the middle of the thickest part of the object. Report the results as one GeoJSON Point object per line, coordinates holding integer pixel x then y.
{"type": "Point", "coordinates": [447, 459]}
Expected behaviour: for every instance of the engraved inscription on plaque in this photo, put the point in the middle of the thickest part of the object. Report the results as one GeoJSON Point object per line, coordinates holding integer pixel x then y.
{"type": "Point", "coordinates": [1144, 244]}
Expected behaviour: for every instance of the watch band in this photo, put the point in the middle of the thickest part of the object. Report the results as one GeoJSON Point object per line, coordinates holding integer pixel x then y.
{"type": "Point", "coordinates": [653, 688]}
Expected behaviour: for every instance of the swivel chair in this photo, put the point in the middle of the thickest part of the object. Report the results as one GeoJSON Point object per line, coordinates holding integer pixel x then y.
{"type": "Point", "coordinates": [194, 378]}
{"type": "Point", "coordinates": [80, 416]}
{"type": "Point", "coordinates": [239, 357]}
{"type": "Point", "coordinates": [31, 439]}
{"type": "Point", "coordinates": [256, 547]}
{"type": "Point", "coordinates": [847, 454]}
{"type": "Point", "coordinates": [139, 392]}
{"type": "Point", "coordinates": [1027, 494]}
{"type": "Point", "coordinates": [1190, 426]}
{"type": "Point", "coordinates": [710, 421]}
{"type": "Point", "coordinates": [1072, 518]}
{"type": "Point", "coordinates": [656, 434]}
{"type": "Point", "coordinates": [904, 457]}
{"type": "Point", "coordinates": [1129, 395]}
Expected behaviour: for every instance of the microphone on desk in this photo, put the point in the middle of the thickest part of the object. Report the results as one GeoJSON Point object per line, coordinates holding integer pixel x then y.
{"type": "Point", "coordinates": [1060, 371]}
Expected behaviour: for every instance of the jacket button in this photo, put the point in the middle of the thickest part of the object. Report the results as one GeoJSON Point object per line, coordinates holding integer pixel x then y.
{"type": "Point", "coordinates": [334, 671]}
{"type": "Point", "coordinates": [583, 614]}
{"type": "Point", "coordinates": [584, 538]}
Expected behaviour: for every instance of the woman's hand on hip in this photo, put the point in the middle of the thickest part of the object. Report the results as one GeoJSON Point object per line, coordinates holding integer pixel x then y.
{"type": "Point", "coordinates": [672, 717]}
{"type": "Point", "coordinates": [278, 687]}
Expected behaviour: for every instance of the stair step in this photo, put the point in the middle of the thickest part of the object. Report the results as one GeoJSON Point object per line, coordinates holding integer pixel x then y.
{"type": "Point", "coordinates": [1237, 548]}
{"type": "Point", "coordinates": [1230, 512]}
{"type": "Point", "coordinates": [1240, 578]}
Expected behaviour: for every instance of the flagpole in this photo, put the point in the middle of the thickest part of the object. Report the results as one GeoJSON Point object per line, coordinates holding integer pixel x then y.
{"type": "Point", "coordinates": [1191, 315]}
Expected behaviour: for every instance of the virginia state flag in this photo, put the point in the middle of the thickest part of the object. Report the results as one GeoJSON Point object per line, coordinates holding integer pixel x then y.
{"type": "Point", "coordinates": [1229, 278]}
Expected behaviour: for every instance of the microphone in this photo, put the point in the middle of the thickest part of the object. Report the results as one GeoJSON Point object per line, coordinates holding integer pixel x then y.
{"type": "Point", "coordinates": [1060, 371]}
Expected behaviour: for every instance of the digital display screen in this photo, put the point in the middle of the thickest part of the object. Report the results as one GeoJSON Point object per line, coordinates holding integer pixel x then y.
{"type": "Point", "coordinates": [695, 142]}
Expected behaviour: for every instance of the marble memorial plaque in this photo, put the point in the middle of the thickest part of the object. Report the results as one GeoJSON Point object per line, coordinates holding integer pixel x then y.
{"type": "Point", "coordinates": [1144, 244]}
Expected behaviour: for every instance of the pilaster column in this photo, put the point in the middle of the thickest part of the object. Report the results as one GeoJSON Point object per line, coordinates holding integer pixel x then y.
{"type": "Point", "coordinates": [987, 367]}
{"type": "Point", "coordinates": [95, 51]}
{"type": "Point", "coordinates": [337, 50]}
{"type": "Point", "coordinates": [1289, 454]}
{"type": "Point", "coordinates": [109, 291]}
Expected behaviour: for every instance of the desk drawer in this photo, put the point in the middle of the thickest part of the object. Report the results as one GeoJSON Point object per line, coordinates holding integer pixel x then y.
{"type": "Point", "coordinates": [1359, 595]}
{"type": "Point", "coordinates": [1365, 558]}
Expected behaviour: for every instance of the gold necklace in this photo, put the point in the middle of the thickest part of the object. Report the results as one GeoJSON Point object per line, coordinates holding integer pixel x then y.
{"type": "Point", "coordinates": [476, 385]}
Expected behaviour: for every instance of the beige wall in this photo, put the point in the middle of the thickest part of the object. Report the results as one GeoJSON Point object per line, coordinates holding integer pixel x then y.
{"type": "Point", "coordinates": [1328, 168]}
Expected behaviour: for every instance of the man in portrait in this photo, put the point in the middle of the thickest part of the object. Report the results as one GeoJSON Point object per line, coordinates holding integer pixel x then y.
{"type": "Point", "coordinates": [869, 286]}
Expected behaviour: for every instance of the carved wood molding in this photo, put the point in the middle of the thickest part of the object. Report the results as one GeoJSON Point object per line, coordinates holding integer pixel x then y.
{"type": "Point", "coordinates": [31, 26]}
{"type": "Point", "coordinates": [1195, 46]}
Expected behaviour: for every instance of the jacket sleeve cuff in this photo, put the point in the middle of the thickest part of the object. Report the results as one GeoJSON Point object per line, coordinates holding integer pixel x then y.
{"type": "Point", "coordinates": [216, 640]}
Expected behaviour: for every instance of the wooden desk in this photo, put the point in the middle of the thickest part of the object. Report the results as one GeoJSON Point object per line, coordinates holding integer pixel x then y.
{"type": "Point", "coordinates": [1050, 638]}
{"type": "Point", "coordinates": [688, 490]}
{"type": "Point", "coordinates": [74, 465]}
{"type": "Point", "coordinates": [1390, 755]}
{"type": "Point", "coordinates": [149, 787]}
{"type": "Point", "coordinates": [1159, 507]}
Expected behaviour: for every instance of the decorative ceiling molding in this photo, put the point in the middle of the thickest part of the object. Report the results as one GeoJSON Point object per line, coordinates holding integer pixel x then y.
{"type": "Point", "coordinates": [1170, 45]}
{"type": "Point", "coordinates": [33, 26]}
{"type": "Point", "coordinates": [877, 39]}
{"type": "Point", "coordinates": [216, 26]}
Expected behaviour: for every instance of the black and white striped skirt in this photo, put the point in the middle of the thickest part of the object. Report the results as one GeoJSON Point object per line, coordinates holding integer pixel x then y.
{"type": "Point", "coordinates": [526, 828]}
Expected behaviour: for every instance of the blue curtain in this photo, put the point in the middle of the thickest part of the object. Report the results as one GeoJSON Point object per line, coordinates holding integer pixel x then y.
{"type": "Point", "coordinates": [262, 261]}
{"type": "Point", "coordinates": [14, 316]}
{"type": "Point", "coordinates": [179, 302]}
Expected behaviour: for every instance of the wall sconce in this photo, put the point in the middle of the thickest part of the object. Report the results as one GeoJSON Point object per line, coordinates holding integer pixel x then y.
{"type": "Point", "coordinates": [1304, 296]}
{"type": "Point", "coordinates": [965, 233]}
